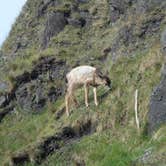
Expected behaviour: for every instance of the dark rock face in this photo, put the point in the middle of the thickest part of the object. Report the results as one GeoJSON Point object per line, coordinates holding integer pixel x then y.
{"type": "Point", "coordinates": [56, 21]}
{"type": "Point", "coordinates": [133, 36]}
{"type": "Point", "coordinates": [163, 41]}
{"type": "Point", "coordinates": [157, 113]}
{"type": "Point", "coordinates": [54, 24]}
{"type": "Point", "coordinates": [31, 96]}
{"type": "Point", "coordinates": [32, 90]}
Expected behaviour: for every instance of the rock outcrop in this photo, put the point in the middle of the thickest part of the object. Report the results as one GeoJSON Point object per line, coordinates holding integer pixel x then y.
{"type": "Point", "coordinates": [120, 37]}
{"type": "Point", "coordinates": [55, 23]}
{"type": "Point", "coordinates": [157, 113]}
{"type": "Point", "coordinates": [32, 90]}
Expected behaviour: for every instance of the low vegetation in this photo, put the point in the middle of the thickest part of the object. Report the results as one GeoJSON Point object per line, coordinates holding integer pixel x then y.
{"type": "Point", "coordinates": [128, 50]}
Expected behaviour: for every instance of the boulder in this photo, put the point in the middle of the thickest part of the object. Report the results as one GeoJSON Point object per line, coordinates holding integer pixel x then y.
{"type": "Point", "coordinates": [163, 41]}
{"type": "Point", "coordinates": [32, 90]}
{"type": "Point", "coordinates": [157, 113]}
{"type": "Point", "coordinates": [55, 23]}
{"type": "Point", "coordinates": [31, 96]}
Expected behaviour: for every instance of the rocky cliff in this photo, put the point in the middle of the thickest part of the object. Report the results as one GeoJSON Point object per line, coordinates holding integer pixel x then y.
{"type": "Point", "coordinates": [126, 38]}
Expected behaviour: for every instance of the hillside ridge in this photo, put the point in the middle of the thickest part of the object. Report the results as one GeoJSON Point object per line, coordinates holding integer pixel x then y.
{"type": "Point", "coordinates": [127, 38]}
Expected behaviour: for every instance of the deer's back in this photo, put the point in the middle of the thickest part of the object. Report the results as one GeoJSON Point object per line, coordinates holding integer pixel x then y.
{"type": "Point", "coordinates": [81, 74]}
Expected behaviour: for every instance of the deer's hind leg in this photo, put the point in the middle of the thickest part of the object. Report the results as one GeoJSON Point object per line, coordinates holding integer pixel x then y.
{"type": "Point", "coordinates": [67, 99]}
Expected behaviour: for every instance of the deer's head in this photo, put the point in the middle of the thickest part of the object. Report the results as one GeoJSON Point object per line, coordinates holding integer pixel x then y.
{"type": "Point", "coordinates": [103, 79]}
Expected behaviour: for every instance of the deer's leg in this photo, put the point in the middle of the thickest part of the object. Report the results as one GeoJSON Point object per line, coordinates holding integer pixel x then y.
{"type": "Point", "coordinates": [72, 95]}
{"type": "Point", "coordinates": [95, 96]}
{"type": "Point", "coordinates": [86, 94]}
{"type": "Point", "coordinates": [67, 98]}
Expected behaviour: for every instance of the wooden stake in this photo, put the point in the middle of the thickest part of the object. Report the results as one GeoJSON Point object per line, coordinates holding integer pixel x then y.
{"type": "Point", "coordinates": [136, 109]}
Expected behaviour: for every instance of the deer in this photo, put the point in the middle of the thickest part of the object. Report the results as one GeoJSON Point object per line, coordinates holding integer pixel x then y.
{"type": "Point", "coordinates": [84, 76]}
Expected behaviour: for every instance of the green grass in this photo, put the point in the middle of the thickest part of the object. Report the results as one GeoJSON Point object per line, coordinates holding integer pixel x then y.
{"type": "Point", "coordinates": [120, 144]}
{"type": "Point", "coordinates": [22, 129]}
{"type": "Point", "coordinates": [105, 148]}
{"type": "Point", "coordinates": [116, 141]}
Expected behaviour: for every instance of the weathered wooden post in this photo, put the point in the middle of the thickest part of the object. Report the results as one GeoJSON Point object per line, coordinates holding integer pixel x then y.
{"type": "Point", "coordinates": [136, 110]}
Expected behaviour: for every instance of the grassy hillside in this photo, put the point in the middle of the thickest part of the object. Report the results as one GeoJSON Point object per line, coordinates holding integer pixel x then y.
{"type": "Point", "coordinates": [124, 43]}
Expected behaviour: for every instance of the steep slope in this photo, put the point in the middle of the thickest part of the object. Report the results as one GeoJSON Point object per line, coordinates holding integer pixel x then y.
{"type": "Point", "coordinates": [125, 38]}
